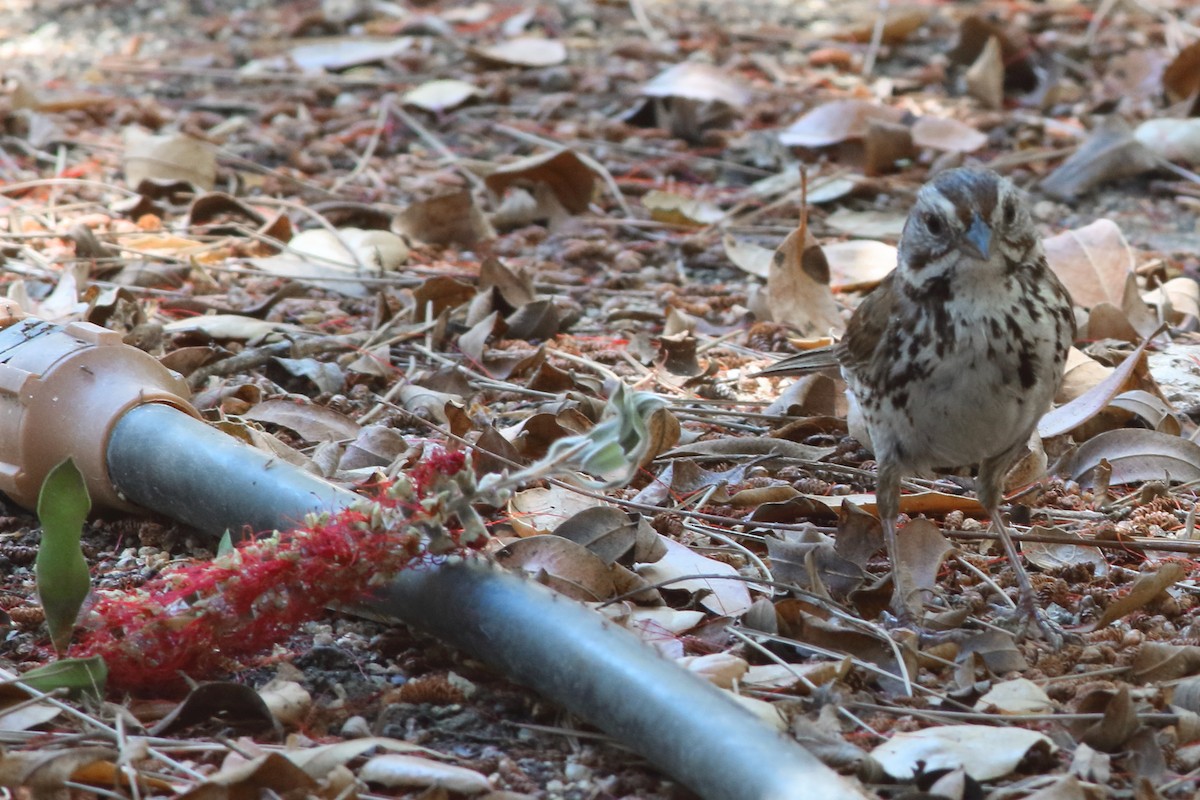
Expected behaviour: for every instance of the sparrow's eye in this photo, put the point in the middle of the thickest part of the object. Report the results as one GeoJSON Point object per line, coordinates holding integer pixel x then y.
{"type": "Point", "coordinates": [1010, 211]}
{"type": "Point", "coordinates": [933, 224]}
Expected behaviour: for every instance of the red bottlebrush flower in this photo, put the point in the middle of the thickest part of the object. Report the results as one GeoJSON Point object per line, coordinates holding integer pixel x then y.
{"type": "Point", "coordinates": [201, 619]}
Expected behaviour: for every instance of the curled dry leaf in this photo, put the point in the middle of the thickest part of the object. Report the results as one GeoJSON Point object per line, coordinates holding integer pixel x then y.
{"type": "Point", "coordinates": [698, 82]}
{"type": "Point", "coordinates": [749, 257]}
{"type": "Point", "coordinates": [541, 510]}
{"type": "Point", "coordinates": [168, 157]}
{"type": "Point", "coordinates": [798, 291]}
{"type": "Point", "coordinates": [1018, 696]}
{"type": "Point", "coordinates": [441, 95]}
{"type": "Point", "coordinates": [723, 597]}
{"type": "Point", "coordinates": [985, 77]}
{"type": "Point", "coordinates": [837, 121]}
{"type": "Point", "coordinates": [986, 752]}
{"type": "Point", "coordinates": [1091, 402]}
{"type": "Point", "coordinates": [1181, 79]}
{"type": "Point", "coordinates": [720, 669]}
{"type": "Point", "coordinates": [1135, 455]}
{"type": "Point", "coordinates": [561, 564]}
{"type": "Point", "coordinates": [562, 171]}
{"type": "Point", "coordinates": [1172, 139]}
{"type": "Point", "coordinates": [679, 210]}
{"type": "Point", "coordinates": [1093, 262]}
{"type": "Point", "coordinates": [524, 51]}
{"type": "Point", "coordinates": [949, 135]}
{"type": "Point", "coordinates": [1146, 587]}
{"type": "Point", "coordinates": [924, 550]}
{"type": "Point", "coordinates": [392, 769]}
{"type": "Point", "coordinates": [1111, 733]}
{"type": "Point", "coordinates": [1160, 662]}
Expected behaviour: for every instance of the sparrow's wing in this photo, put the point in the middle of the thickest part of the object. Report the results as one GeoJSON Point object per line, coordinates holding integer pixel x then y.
{"type": "Point", "coordinates": [863, 335]}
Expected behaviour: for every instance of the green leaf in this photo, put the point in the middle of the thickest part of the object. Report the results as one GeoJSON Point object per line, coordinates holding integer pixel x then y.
{"type": "Point", "coordinates": [225, 547]}
{"type": "Point", "coordinates": [74, 674]}
{"type": "Point", "coordinates": [63, 580]}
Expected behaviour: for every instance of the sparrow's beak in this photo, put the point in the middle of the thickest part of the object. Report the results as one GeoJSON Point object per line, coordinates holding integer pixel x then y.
{"type": "Point", "coordinates": [977, 241]}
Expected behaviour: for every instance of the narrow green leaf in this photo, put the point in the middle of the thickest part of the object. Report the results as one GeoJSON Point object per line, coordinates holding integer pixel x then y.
{"type": "Point", "coordinates": [74, 674]}
{"type": "Point", "coordinates": [63, 580]}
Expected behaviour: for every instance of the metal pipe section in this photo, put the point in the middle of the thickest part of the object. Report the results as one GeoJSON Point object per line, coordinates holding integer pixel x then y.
{"type": "Point", "coordinates": [162, 459]}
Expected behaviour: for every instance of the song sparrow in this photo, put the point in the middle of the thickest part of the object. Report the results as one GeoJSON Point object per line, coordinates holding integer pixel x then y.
{"type": "Point", "coordinates": [959, 351]}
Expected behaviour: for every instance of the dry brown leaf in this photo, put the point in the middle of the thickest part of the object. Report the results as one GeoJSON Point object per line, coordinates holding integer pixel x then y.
{"type": "Point", "coordinates": [313, 422]}
{"type": "Point", "coordinates": [561, 564]}
{"type": "Point", "coordinates": [452, 218]}
{"type": "Point", "coordinates": [798, 291]}
{"type": "Point", "coordinates": [1146, 587]}
{"type": "Point", "coordinates": [1181, 79]}
{"type": "Point", "coordinates": [985, 77]}
{"type": "Point", "coordinates": [858, 263]}
{"type": "Point", "coordinates": [168, 157]}
{"type": "Point", "coordinates": [1110, 734]}
{"type": "Point", "coordinates": [1087, 405]}
{"type": "Point", "coordinates": [922, 549]}
{"type": "Point", "coordinates": [676, 209]}
{"type": "Point", "coordinates": [1135, 455]}
{"type": "Point", "coordinates": [1160, 662]}
{"type": "Point", "coordinates": [562, 171]}
{"type": "Point", "coordinates": [1093, 262]}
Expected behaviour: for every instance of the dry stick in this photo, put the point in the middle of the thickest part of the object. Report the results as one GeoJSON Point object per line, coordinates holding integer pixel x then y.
{"type": "Point", "coordinates": [876, 38]}
{"type": "Point", "coordinates": [385, 108]}
{"type": "Point", "coordinates": [427, 136]}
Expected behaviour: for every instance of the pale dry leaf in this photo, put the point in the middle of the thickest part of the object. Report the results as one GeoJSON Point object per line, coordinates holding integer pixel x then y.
{"type": "Point", "coordinates": [1146, 587]}
{"type": "Point", "coordinates": [1052, 556]}
{"type": "Point", "coordinates": [570, 180]}
{"type": "Point", "coordinates": [541, 510]}
{"type": "Point", "coordinates": [1135, 455]}
{"type": "Point", "coordinates": [835, 122]}
{"type": "Point", "coordinates": [749, 257]}
{"type": "Point", "coordinates": [168, 157]}
{"type": "Point", "coordinates": [441, 95]}
{"type": "Point", "coordinates": [288, 701]}
{"type": "Point", "coordinates": [858, 263]}
{"type": "Point", "coordinates": [524, 51]}
{"type": "Point", "coordinates": [1067, 417]}
{"type": "Point", "coordinates": [868, 224]}
{"type": "Point", "coordinates": [986, 752]}
{"type": "Point", "coordinates": [232, 326]}
{"type": "Point", "coordinates": [1017, 696]}
{"type": "Point", "coordinates": [719, 669]}
{"type": "Point", "coordinates": [679, 210]}
{"type": "Point", "coordinates": [1110, 153]}
{"type": "Point", "coordinates": [332, 54]}
{"type": "Point", "coordinates": [1161, 662]}
{"type": "Point", "coordinates": [798, 291]}
{"type": "Point", "coordinates": [948, 135]}
{"type": "Point", "coordinates": [700, 82]}
{"type": "Point", "coordinates": [1092, 262]}
{"type": "Point", "coordinates": [393, 770]}
{"type": "Point", "coordinates": [724, 597]}
{"type": "Point", "coordinates": [985, 77]}
{"type": "Point", "coordinates": [1176, 300]}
